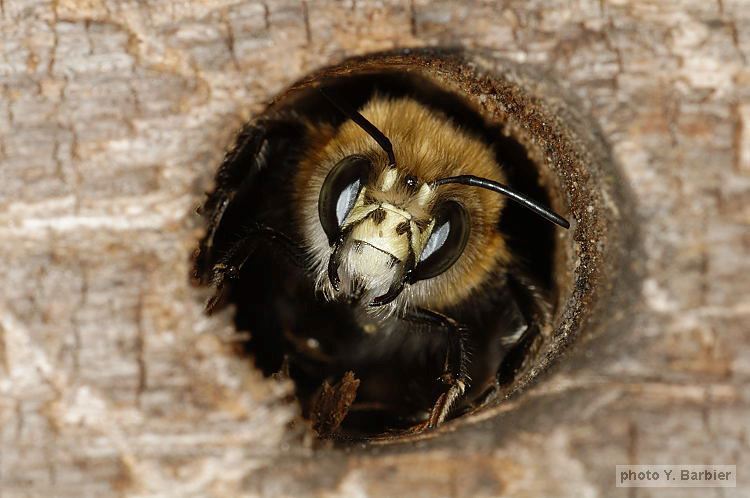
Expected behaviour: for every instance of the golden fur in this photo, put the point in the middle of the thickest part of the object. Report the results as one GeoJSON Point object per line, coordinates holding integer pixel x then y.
{"type": "Point", "coordinates": [428, 146]}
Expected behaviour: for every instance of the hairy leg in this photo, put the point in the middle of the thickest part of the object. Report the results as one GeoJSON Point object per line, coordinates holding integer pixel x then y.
{"type": "Point", "coordinates": [229, 266]}
{"type": "Point", "coordinates": [454, 377]}
{"type": "Point", "coordinates": [239, 169]}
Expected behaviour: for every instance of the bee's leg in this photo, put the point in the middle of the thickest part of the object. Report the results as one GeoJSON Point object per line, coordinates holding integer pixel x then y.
{"type": "Point", "coordinates": [454, 375]}
{"type": "Point", "coordinates": [238, 170]}
{"type": "Point", "coordinates": [231, 263]}
{"type": "Point", "coordinates": [533, 311]}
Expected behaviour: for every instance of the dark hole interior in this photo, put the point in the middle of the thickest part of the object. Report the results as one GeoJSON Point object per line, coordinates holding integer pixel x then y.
{"type": "Point", "coordinates": [294, 332]}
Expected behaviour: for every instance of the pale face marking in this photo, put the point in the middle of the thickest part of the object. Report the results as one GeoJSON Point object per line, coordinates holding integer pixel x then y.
{"type": "Point", "coordinates": [389, 180]}
{"type": "Point", "coordinates": [424, 194]}
{"type": "Point", "coordinates": [394, 209]}
{"type": "Point", "coordinates": [383, 237]}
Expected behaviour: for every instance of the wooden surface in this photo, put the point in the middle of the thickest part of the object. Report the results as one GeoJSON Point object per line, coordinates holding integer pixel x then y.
{"type": "Point", "coordinates": [113, 115]}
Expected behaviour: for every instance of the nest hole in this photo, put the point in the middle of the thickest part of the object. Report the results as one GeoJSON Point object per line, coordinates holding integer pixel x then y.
{"type": "Point", "coordinates": [294, 333]}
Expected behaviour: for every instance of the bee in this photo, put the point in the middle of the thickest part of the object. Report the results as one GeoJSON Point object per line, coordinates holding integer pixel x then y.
{"type": "Point", "coordinates": [371, 243]}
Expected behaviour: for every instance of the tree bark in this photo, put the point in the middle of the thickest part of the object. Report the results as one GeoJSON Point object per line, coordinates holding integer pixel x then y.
{"type": "Point", "coordinates": [113, 118]}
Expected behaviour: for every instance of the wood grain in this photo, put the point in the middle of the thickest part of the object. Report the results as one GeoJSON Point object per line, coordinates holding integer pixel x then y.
{"type": "Point", "coordinates": [113, 115]}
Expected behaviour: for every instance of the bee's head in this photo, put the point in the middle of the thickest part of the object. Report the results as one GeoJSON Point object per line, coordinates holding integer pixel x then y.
{"type": "Point", "coordinates": [388, 225]}
{"type": "Point", "coordinates": [387, 229]}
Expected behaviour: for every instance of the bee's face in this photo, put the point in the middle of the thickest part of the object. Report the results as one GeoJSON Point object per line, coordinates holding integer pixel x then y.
{"type": "Point", "coordinates": [374, 230]}
{"type": "Point", "coordinates": [387, 227]}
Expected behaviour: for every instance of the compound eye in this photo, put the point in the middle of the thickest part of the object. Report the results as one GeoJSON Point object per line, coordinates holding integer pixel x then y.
{"type": "Point", "coordinates": [340, 190]}
{"type": "Point", "coordinates": [446, 243]}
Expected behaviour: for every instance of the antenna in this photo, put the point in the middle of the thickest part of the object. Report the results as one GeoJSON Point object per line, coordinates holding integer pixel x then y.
{"type": "Point", "coordinates": [475, 181]}
{"type": "Point", "coordinates": [363, 123]}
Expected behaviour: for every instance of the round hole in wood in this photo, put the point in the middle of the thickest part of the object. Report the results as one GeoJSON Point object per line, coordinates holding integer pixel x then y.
{"type": "Point", "coordinates": [355, 380]}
